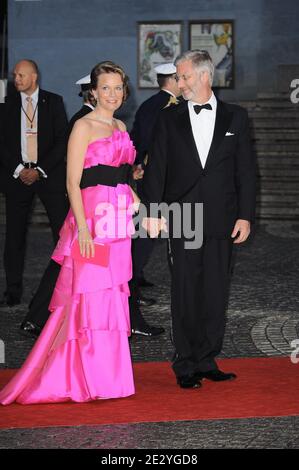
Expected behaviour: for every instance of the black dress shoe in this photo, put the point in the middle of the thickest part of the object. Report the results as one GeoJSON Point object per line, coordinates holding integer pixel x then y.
{"type": "Point", "coordinates": [146, 301]}
{"type": "Point", "coordinates": [29, 329]}
{"type": "Point", "coordinates": [10, 300]}
{"type": "Point", "coordinates": [189, 381]}
{"type": "Point", "coordinates": [144, 329]}
{"type": "Point", "coordinates": [216, 375]}
{"type": "Point", "coordinates": [142, 282]}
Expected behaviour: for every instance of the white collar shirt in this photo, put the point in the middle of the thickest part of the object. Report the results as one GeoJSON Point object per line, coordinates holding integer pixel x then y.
{"type": "Point", "coordinates": [203, 125]}
{"type": "Point", "coordinates": [34, 98]}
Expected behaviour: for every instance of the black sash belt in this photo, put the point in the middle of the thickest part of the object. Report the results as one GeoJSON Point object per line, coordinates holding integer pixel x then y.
{"type": "Point", "coordinates": [106, 175]}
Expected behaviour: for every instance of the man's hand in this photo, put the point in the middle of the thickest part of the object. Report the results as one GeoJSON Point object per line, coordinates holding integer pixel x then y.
{"type": "Point", "coordinates": [138, 172]}
{"type": "Point", "coordinates": [153, 226]}
{"type": "Point", "coordinates": [243, 227]}
{"type": "Point", "coordinates": [29, 176]}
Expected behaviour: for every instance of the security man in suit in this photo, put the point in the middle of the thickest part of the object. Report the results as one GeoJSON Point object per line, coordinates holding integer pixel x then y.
{"type": "Point", "coordinates": [33, 129]}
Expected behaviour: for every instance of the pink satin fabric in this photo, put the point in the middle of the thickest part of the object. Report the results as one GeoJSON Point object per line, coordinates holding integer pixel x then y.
{"type": "Point", "coordinates": [83, 351]}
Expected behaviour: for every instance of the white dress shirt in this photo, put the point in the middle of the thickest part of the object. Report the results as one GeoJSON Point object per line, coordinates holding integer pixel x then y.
{"type": "Point", "coordinates": [203, 125]}
{"type": "Point", "coordinates": [25, 158]}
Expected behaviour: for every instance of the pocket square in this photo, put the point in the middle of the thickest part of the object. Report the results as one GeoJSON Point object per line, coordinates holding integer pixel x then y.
{"type": "Point", "coordinates": [229, 133]}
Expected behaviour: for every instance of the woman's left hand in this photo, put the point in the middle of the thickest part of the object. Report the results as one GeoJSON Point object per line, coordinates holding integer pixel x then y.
{"type": "Point", "coordinates": [86, 242]}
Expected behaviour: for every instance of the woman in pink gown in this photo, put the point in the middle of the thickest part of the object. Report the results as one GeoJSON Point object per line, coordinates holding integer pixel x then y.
{"type": "Point", "coordinates": [83, 351]}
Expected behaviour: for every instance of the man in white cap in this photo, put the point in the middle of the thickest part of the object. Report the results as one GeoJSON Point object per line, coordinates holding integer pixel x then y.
{"type": "Point", "coordinates": [88, 100]}
{"type": "Point", "coordinates": [149, 110]}
{"type": "Point", "coordinates": [141, 134]}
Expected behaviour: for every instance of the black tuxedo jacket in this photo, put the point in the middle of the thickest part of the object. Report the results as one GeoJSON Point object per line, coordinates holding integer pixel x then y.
{"type": "Point", "coordinates": [145, 120]}
{"type": "Point", "coordinates": [52, 135]}
{"type": "Point", "coordinates": [226, 185]}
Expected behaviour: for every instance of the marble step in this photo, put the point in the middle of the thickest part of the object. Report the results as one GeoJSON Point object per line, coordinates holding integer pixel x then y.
{"type": "Point", "coordinates": [273, 114]}
{"type": "Point", "coordinates": [276, 161]}
{"type": "Point", "coordinates": [271, 147]}
{"type": "Point", "coordinates": [278, 198]}
{"type": "Point", "coordinates": [273, 95]}
{"type": "Point", "coordinates": [272, 173]}
{"type": "Point", "coordinates": [277, 153]}
{"type": "Point", "coordinates": [291, 208]}
{"type": "Point", "coordinates": [276, 214]}
{"type": "Point", "coordinates": [273, 184]}
{"type": "Point", "coordinates": [278, 123]}
{"type": "Point", "coordinates": [268, 104]}
{"type": "Point", "coordinates": [269, 135]}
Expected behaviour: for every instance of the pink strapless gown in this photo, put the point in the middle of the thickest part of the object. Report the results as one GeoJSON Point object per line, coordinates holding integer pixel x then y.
{"type": "Point", "coordinates": [83, 351]}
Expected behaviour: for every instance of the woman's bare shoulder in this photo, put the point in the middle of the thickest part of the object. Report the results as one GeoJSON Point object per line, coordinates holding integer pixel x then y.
{"type": "Point", "coordinates": [83, 123]}
{"type": "Point", "coordinates": [121, 125]}
{"type": "Point", "coordinates": [82, 127]}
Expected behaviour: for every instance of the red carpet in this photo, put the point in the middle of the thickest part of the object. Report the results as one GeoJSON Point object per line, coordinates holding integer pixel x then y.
{"type": "Point", "coordinates": [265, 387]}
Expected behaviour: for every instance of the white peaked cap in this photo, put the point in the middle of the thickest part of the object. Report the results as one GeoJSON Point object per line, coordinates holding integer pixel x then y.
{"type": "Point", "coordinates": [165, 69]}
{"type": "Point", "coordinates": [84, 81]}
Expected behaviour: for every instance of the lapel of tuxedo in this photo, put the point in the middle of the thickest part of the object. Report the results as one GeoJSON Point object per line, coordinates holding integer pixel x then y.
{"type": "Point", "coordinates": [186, 131]}
{"type": "Point", "coordinates": [42, 117]}
{"type": "Point", "coordinates": [15, 119]}
{"type": "Point", "coordinates": [222, 123]}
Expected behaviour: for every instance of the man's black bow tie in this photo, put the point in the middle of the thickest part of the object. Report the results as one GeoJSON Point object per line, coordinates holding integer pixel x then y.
{"type": "Point", "coordinates": [198, 107]}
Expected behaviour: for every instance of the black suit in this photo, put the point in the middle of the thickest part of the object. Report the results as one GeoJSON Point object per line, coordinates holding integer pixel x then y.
{"type": "Point", "coordinates": [226, 187]}
{"type": "Point", "coordinates": [52, 128]}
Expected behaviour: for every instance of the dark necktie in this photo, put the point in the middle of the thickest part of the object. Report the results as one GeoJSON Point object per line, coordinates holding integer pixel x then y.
{"type": "Point", "coordinates": [198, 107]}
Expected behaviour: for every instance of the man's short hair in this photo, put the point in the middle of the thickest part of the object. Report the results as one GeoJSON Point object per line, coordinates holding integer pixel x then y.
{"type": "Point", "coordinates": [200, 59]}
{"type": "Point", "coordinates": [162, 79]}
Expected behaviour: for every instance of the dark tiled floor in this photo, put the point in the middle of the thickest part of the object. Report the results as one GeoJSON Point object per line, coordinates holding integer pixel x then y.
{"type": "Point", "coordinates": [262, 320]}
{"type": "Point", "coordinates": [274, 433]}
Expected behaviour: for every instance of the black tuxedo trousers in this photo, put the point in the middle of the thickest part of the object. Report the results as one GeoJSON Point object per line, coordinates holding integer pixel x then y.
{"type": "Point", "coordinates": [199, 294]}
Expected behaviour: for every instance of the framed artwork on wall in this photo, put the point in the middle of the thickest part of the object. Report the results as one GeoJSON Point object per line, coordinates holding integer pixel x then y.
{"type": "Point", "coordinates": [159, 42]}
{"type": "Point", "coordinates": [216, 37]}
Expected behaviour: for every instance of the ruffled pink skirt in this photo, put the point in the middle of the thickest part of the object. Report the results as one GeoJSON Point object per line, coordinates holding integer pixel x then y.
{"type": "Point", "coordinates": [83, 351]}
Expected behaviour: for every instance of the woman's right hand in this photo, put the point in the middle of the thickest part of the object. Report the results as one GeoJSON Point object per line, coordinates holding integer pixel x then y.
{"type": "Point", "coordinates": [86, 242]}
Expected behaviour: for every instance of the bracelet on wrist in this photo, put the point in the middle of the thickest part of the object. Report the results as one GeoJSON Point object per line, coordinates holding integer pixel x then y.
{"type": "Point", "coordinates": [81, 229]}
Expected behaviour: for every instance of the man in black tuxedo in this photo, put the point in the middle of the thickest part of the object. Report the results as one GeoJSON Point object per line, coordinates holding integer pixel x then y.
{"type": "Point", "coordinates": [141, 134]}
{"type": "Point", "coordinates": [33, 131]}
{"type": "Point", "coordinates": [201, 153]}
